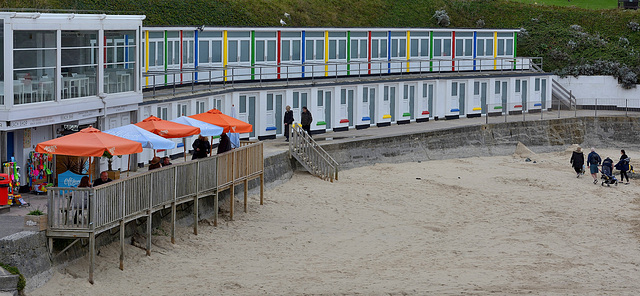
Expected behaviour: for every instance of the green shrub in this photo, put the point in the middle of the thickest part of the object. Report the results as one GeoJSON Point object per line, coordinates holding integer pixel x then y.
{"type": "Point", "coordinates": [14, 270]}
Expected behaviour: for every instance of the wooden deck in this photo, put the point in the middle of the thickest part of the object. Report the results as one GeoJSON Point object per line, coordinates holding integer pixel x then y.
{"type": "Point", "coordinates": [76, 213]}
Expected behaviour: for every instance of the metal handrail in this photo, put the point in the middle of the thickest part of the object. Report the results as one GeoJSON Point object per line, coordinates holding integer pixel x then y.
{"type": "Point", "coordinates": [303, 148]}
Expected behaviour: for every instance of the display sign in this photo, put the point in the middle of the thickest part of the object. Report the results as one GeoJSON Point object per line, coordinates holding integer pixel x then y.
{"type": "Point", "coordinates": [69, 179]}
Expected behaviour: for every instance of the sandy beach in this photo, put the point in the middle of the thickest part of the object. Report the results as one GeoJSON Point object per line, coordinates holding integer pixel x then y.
{"type": "Point", "coordinates": [473, 226]}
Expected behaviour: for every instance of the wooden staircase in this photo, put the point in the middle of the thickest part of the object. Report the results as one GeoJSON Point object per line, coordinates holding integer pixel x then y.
{"type": "Point", "coordinates": [312, 157]}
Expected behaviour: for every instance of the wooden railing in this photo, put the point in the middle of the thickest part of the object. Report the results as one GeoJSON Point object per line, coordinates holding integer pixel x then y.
{"type": "Point", "coordinates": [315, 159]}
{"type": "Point", "coordinates": [86, 212]}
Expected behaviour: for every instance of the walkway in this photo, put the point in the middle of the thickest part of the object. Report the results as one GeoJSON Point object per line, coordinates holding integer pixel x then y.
{"type": "Point", "coordinates": [13, 221]}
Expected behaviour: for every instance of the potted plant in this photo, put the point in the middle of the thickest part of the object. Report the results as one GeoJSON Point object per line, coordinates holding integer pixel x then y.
{"type": "Point", "coordinates": [35, 220]}
{"type": "Point", "coordinates": [113, 175]}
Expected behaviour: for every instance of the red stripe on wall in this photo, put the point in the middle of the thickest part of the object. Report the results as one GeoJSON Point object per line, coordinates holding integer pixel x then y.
{"type": "Point", "coordinates": [369, 55]}
{"type": "Point", "coordinates": [453, 51]}
{"type": "Point", "coordinates": [278, 53]}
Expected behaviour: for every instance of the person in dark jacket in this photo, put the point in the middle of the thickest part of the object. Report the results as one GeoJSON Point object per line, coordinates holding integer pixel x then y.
{"type": "Point", "coordinates": [577, 161]}
{"type": "Point", "coordinates": [594, 161]}
{"type": "Point", "coordinates": [201, 147]}
{"type": "Point", "coordinates": [225, 144]}
{"type": "Point", "coordinates": [623, 166]}
{"type": "Point", "coordinates": [306, 119]}
{"type": "Point", "coordinates": [288, 120]}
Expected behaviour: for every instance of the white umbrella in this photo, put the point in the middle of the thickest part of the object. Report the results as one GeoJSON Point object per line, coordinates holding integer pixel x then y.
{"type": "Point", "coordinates": [206, 129]}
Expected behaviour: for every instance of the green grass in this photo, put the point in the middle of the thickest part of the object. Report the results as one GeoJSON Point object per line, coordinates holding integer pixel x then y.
{"type": "Point", "coordinates": [587, 4]}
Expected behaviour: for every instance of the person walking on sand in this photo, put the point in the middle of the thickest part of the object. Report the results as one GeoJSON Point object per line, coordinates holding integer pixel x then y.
{"type": "Point", "coordinates": [623, 166]}
{"type": "Point", "coordinates": [306, 119]}
{"type": "Point", "coordinates": [288, 120]}
{"type": "Point", "coordinates": [594, 161]}
{"type": "Point", "coordinates": [577, 161]}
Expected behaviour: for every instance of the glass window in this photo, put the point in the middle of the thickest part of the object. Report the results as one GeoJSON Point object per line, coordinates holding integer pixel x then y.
{"type": "Point", "coordinates": [468, 47]}
{"type": "Point", "coordinates": [244, 50]}
{"type": "Point", "coordinates": [296, 50]}
{"type": "Point", "coordinates": [170, 52]}
{"type": "Point", "coordinates": [489, 47]}
{"type": "Point", "coordinates": [517, 85]}
{"type": "Point", "coordinates": [332, 49]}
{"type": "Point", "coordinates": [386, 94]}
{"type": "Point", "coordinates": [309, 50]}
{"type": "Point", "coordinates": [343, 96]}
{"type": "Point", "coordinates": [320, 98]}
{"type": "Point", "coordinates": [424, 47]}
{"type": "Point", "coordinates": [269, 102]}
{"type": "Point", "coordinates": [509, 47]}
{"type": "Point", "coordinates": [403, 47]}
{"type": "Point", "coordinates": [497, 87]}
{"type": "Point", "coordinates": [363, 49]}
{"type": "Point", "coordinates": [259, 50]}
{"type": "Point", "coordinates": [459, 47]}
{"type": "Point", "coordinates": [34, 63]}
{"type": "Point", "coordinates": [296, 100]}
{"type": "Point", "coordinates": [216, 51]}
{"type": "Point", "coordinates": [480, 49]}
{"type": "Point", "coordinates": [447, 47]}
{"type": "Point", "coordinates": [342, 49]}
{"type": "Point", "coordinates": [354, 49]}
{"type": "Point", "coordinates": [414, 47]}
{"type": "Point", "coordinates": [437, 47]}
{"type": "Point", "coordinates": [319, 49]}
{"type": "Point", "coordinates": [394, 48]}
{"type": "Point", "coordinates": [243, 104]}
{"type": "Point", "coordinates": [232, 54]}
{"type": "Point", "coordinates": [365, 94]}
{"type": "Point", "coordinates": [476, 88]}
{"type": "Point", "coordinates": [286, 48]}
{"type": "Point", "coordinates": [176, 53]}
{"type": "Point", "coordinates": [500, 46]}
{"type": "Point", "coordinates": [454, 89]}
{"type": "Point", "coordinates": [120, 66]}
{"type": "Point", "coordinates": [383, 49]}
{"type": "Point", "coordinates": [2, 60]}
{"type": "Point", "coordinates": [374, 48]}
{"type": "Point", "coordinates": [537, 84]}
{"type": "Point", "coordinates": [79, 59]}
{"type": "Point", "coordinates": [203, 52]}
{"type": "Point", "coordinates": [271, 50]}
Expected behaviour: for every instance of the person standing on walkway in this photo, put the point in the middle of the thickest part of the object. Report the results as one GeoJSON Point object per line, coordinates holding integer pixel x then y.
{"type": "Point", "coordinates": [577, 161]}
{"type": "Point", "coordinates": [201, 147]}
{"type": "Point", "coordinates": [594, 161]}
{"type": "Point", "coordinates": [306, 119]}
{"type": "Point", "coordinates": [623, 166]}
{"type": "Point", "coordinates": [288, 120]}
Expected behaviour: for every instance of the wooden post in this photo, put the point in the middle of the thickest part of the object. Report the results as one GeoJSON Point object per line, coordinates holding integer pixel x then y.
{"type": "Point", "coordinates": [149, 220]}
{"type": "Point", "coordinates": [122, 244]}
{"type": "Point", "coordinates": [92, 254]}
{"type": "Point", "coordinates": [215, 208]}
{"type": "Point", "coordinates": [173, 204]}
{"type": "Point", "coordinates": [262, 188]}
{"type": "Point", "coordinates": [233, 183]}
{"type": "Point", "coordinates": [195, 202]}
{"type": "Point", "coordinates": [246, 188]}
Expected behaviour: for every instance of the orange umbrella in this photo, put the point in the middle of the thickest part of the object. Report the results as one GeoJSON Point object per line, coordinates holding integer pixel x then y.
{"type": "Point", "coordinates": [167, 129]}
{"type": "Point", "coordinates": [228, 123]}
{"type": "Point", "coordinates": [89, 142]}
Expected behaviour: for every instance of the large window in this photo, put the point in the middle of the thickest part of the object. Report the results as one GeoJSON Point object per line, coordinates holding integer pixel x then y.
{"type": "Point", "coordinates": [34, 63]}
{"type": "Point", "coordinates": [79, 64]}
{"type": "Point", "coordinates": [120, 61]}
{"type": "Point", "coordinates": [2, 62]}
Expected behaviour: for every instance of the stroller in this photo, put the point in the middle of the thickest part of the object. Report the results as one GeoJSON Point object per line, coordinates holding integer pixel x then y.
{"type": "Point", "coordinates": [607, 173]}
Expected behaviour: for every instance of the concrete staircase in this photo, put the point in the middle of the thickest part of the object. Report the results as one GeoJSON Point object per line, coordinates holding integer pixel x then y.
{"type": "Point", "coordinates": [312, 157]}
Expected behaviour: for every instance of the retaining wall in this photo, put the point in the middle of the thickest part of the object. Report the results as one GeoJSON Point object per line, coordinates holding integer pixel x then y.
{"type": "Point", "coordinates": [28, 251]}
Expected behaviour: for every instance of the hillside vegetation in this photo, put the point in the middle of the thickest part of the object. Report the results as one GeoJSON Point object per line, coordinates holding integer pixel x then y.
{"type": "Point", "coordinates": [572, 40]}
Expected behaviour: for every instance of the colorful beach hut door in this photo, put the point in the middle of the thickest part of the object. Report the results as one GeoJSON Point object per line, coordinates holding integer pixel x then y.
{"type": "Point", "coordinates": [389, 103]}
{"type": "Point", "coordinates": [368, 105]}
{"type": "Point", "coordinates": [480, 96]}
{"type": "Point", "coordinates": [407, 106]}
{"type": "Point", "coordinates": [346, 106]}
{"type": "Point", "coordinates": [521, 93]}
{"type": "Point", "coordinates": [458, 97]}
{"type": "Point", "coordinates": [278, 116]}
{"type": "Point", "coordinates": [425, 106]}
{"type": "Point", "coordinates": [247, 111]}
{"type": "Point", "coordinates": [324, 108]}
